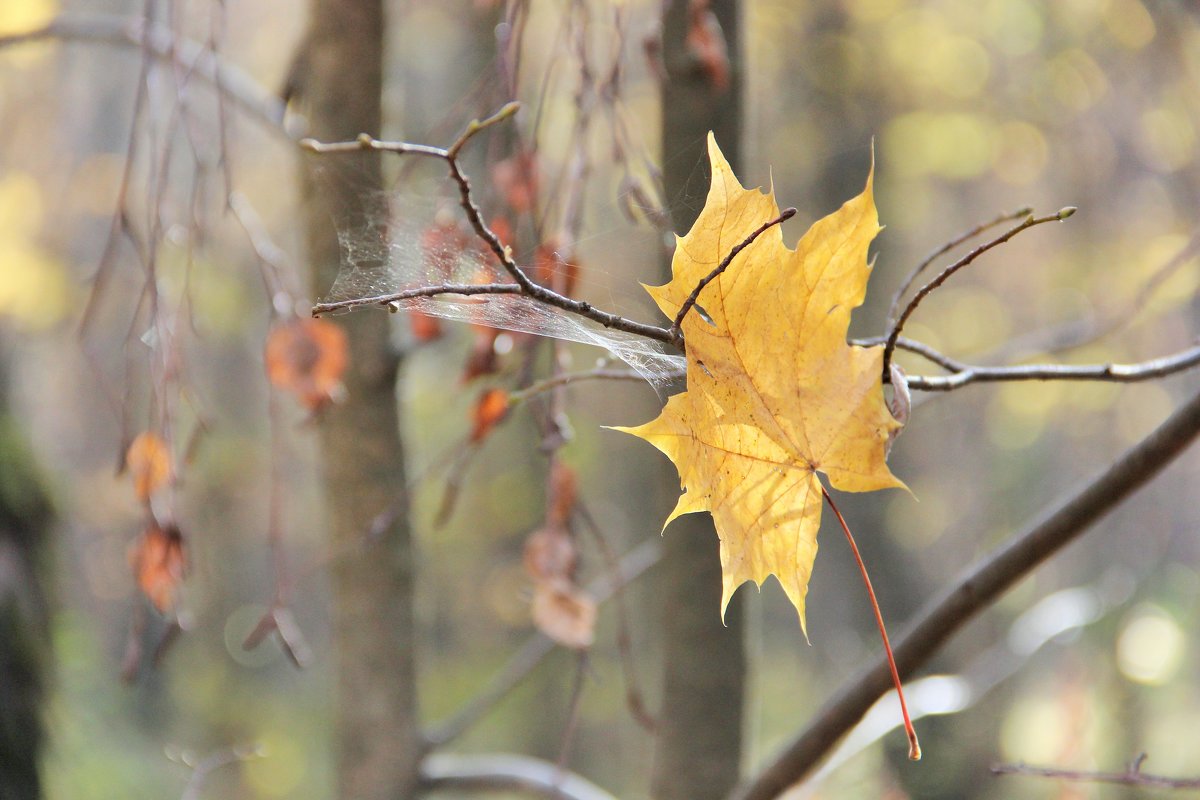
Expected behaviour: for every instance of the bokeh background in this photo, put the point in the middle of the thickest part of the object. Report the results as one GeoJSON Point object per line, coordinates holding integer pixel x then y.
{"type": "Point", "coordinates": [973, 109]}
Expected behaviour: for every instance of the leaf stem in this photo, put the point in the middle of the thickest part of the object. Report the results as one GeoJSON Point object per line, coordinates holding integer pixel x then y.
{"type": "Point", "coordinates": [914, 747]}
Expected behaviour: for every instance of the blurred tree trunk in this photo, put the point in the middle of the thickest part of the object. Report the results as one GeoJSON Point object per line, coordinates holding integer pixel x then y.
{"type": "Point", "coordinates": [699, 744]}
{"type": "Point", "coordinates": [376, 732]}
{"type": "Point", "coordinates": [25, 516]}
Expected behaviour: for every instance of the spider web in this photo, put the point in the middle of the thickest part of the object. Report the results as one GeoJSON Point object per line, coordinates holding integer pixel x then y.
{"type": "Point", "coordinates": [392, 252]}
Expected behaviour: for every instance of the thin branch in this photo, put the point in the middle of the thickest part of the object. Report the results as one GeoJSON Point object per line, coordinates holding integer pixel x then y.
{"type": "Point", "coordinates": [499, 772]}
{"type": "Point", "coordinates": [1079, 332]}
{"type": "Point", "coordinates": [965, 374]}
{"type": "Point", "coordinates": [975, 591]}
{"type": "Point", "coordinates": [941, 251]}
{"type": "Point", "coordinates": [1130, 777]}
{"type": "Point", "coordinates": [677, 324]}
{"type": "Point", "coordinates": [210, 764]}
{"type": "Point", "coordinates": [1076, 607]}
{"type": "Point", "coordinates": [913, 346]}
{"type": "Point", "coordinates": [392, 301]}
{"type": "Point", "coordinates": [527, 287]}
{"type": "Point", "coordinates": [274, 266]}
{"type": "Point", "coordinates": [633, 691]}
{"type": "Point", "coordinates": [945, 274]}
{"type": "Point", "coordinates": [536, 648]}
{"type": "Point", "coordinates": [159, 41]}
{"type": "Point", "coordinates": [567, 378]}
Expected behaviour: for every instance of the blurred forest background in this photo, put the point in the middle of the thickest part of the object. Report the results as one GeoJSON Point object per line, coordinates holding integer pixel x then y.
{"type": "Point", "coordinates": [974, 109]}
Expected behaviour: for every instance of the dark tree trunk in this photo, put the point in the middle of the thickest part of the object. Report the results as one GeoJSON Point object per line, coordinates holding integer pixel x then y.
{"type": "Point", "coordinates": [25, 517]}
{"type": "Point", "coordinates": [376, 727]}
{"type": "Point", "coordinates": [699, 746]}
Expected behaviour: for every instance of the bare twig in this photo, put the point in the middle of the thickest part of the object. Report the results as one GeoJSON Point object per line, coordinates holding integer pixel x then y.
{"type": "Point", "coordinates": [567, 378]}
{"type": "Point", "coordinates": [1077, 333]}
{"type": "Point", "coordinates": [633, 691]}
{"type": "Point", "coordinates": [527, 287]}
{"type": "Point", "coordinates": [1076, 607]}
{"type": "Point", "coordinates": [536, 648]}
{"type": "Point", "coordinates": [274, 265]}
{"type": "Point", "coordinates": [677, 324]}
{"type": "Point", "coordinates": [944, 275]}
{"type": "Point", "coordinates": [574, 706]}
{"type": "Point", "coordinates": [504, 772]}
{"type": "Point", "coordinates": [392, 301]}
{"type": "Point", "coordinates": [975, 591]}
{"type": "Point", "coordinates": [941, 251]}
{"type": "Point", "coordinates": [234, 84]}
{"type": "Point", "coordinates": [1133, 776]}
{"type": "Point", "coordinates": [210, 764]}
{"type": "Point", "coordinates": [964, 374]}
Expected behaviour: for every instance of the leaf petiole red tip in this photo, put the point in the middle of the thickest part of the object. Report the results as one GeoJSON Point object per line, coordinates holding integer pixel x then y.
{"type": "Point", "coordinates": [914, 747]}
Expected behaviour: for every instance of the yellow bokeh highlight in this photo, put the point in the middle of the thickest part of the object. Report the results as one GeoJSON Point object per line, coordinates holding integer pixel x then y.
{"type": "Point", "coordinates": [954, 145]}
{"type": "Point", "coordinates": [283, 766]}
{"type": "Point", "coordinates": [1013, 26]}
{"type": "Point", "coordinates": [1151, 646]}
{"type": "Point", "coordinates": [1020, 411]}
{"type": "Point", "coordinates": [34, 289]}
{"type": "Point", "coordinates": [959, 66]}
{"type": "Point", "coordinates": [873, 10]}
{"type": "Point", "coordinates": [1021, 153]}
{"type": "Point", "coordinates": [1129, 23]}
{"type": "Point", "coordinates": [932, 57]}
{"type": "Point", "coordinates": [21, 207]}
{"type": "Point", "coordinates": [18, 16]}
{"type": "Point", "coordinates": [916, 525]}
{"type": "Point", "coordinates": [95, 184]}
{"type": "Point", "coordinates": [1037, 729]}
{"type": "Point", "coordinates": [1166, 139]}
{"type": "Point", "coordinates": [1076, 80]}
{"type": "Point", "coordinates": [1177, 288]}
{"type": "Point", "coordinates": [972, 318]}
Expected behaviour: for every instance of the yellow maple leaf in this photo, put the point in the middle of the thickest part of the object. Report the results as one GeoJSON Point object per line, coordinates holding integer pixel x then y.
{"type": "Point", "coordinates": [774, 392]}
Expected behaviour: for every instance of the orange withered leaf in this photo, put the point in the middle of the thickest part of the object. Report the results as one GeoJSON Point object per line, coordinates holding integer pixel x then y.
{"type": "Point", "coordinates": [307, 357]}
{"type": "Point", "coordinates": [481, 360]}
{"type": "Point", "coordinates": [565, 613]}
{"type": "Point", "coordinates": [159, 565]}
{"type": "Point", "coordinates": [148, 460]}
{"type": "Point", "coordinates": [563, 489]}
{"type": "Point", "coordinates": [490, 409]}
{"type": "Point", "coordinates": [503, 230]}
{"type": "Point", "coordinates": [516, 179]}
{"type": "Point", "coordinates": [706, 43]}
{"type": "Point", "coordinates": [549, 554]}
{"type": "Point", "coordinates": [442, 243]}
{"type": "Point", "coordinates": [424, 327]}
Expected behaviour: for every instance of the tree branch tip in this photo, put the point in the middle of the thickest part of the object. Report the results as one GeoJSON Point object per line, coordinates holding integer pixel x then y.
{"type": "Point", "coordinates": [787, 214]}
{"type": "Point", "coordinates": [507, 110]}
{"type": "Point", "coordinates": [1023, 211]}
{"type": "Point", "coordinates": [309, 143]}
{"type": "Point", "coordinates": [1065, 212]}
